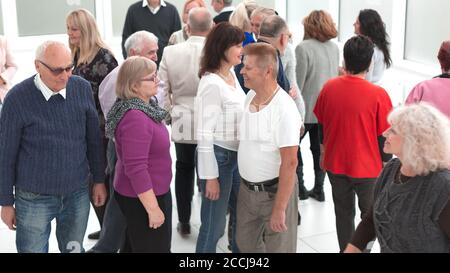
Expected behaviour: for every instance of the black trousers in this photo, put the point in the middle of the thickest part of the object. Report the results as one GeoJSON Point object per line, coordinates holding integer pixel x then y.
{"type": "Point", "coordinates": [184, 179]}
{"type": "Point", "coordinates": [344, 188]}
{"type": "Point", "coordinates": [140, 238]}
{"type": "Point", "coordinates": [313, 130]}
{"type": "Point", "coordinates": [100, 211]}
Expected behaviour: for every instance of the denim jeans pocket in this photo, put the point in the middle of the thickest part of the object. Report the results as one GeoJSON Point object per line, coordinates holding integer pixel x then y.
{"type": "Point", "coordinates": [222, 156]}
{"type": "Point", "coordinates": [27, 195]}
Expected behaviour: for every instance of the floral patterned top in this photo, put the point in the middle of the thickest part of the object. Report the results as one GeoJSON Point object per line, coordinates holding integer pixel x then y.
{"type": "Point", "coordinates": [94, 72]}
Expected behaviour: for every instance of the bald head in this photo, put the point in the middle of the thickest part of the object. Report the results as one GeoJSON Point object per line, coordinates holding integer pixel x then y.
{"type": "Point", "coordinates": [199, 21]}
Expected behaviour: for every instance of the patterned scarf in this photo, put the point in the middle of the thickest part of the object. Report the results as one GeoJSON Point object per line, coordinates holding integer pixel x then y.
{"type": "Point", "coordinates": [120, 107]}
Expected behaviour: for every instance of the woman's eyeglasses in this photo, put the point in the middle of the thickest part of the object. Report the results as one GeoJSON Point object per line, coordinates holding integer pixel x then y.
{"type": "Point", "coordinates": [153, 78]}
{"type": "Point", "coordinates": [59, 70]}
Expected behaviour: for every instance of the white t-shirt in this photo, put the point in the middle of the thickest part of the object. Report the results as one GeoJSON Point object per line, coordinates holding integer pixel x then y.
{"type": "Point", "coordinates": [218, 112]}
{"type": "Point", "coordinates": [263, 133]}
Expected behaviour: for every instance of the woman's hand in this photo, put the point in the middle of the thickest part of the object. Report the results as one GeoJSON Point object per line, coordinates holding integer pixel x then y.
{"type": "Point", "coordinates": [155, 218]}
{"type": "Point", "coordinates": [212, 191]}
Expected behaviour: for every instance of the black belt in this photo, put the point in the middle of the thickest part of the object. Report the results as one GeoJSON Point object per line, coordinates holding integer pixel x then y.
{"type": "Point", "coordinates": [267, 186]}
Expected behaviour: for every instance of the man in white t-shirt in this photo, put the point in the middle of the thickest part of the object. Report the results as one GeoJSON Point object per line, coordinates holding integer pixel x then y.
{"type": "Point", "coordinates": [267, 158]}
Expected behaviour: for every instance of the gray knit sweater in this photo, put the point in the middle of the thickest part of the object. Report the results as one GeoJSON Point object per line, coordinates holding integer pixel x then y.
{"type": "Point", "coordinates": [406, 215]}
{"type": "Point", "coordinates": [49, 147]}
{"type": "Point", "coordinates": [316, 63]}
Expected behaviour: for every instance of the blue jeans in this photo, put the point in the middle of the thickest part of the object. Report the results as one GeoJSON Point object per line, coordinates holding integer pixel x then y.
{"type": "Point", "coordinates": [213, 213]}
{"type": "Point", "coordinates": [34, 213]}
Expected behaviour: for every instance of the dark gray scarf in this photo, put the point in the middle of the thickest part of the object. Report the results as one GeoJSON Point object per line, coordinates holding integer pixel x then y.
{"type": "Point", "coordinates": [120, 107]}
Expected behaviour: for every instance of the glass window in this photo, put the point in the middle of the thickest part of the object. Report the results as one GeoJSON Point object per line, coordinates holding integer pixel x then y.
{"type": "Point", "coordinates": [119, 11]}
{"type": "Point", "coordinates": [46, 17]}
{"type": "Point", "coordinates": [349, 10]}
{"type": "Point", "coordinates": [427, 25]}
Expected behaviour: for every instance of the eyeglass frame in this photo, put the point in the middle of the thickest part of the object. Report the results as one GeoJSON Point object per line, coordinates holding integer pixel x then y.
{"type": "Point", "coordinates": [154, 78]}
{"type": "Point", "coordinates": [59, 70]}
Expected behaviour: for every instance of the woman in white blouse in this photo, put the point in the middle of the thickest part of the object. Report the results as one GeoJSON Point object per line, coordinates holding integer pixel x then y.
{"type": "Point", "coordinates": [218, 110]}
{"type": "Point", "coordinates": [370, 24]}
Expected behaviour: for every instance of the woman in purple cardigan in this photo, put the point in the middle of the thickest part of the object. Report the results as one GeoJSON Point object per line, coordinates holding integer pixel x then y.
{"type": "Point", "coordinates": [143, 168]}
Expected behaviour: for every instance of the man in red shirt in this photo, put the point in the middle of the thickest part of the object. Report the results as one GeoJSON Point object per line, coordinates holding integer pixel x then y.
{"type": "Point", "coordinates": [352, 113]}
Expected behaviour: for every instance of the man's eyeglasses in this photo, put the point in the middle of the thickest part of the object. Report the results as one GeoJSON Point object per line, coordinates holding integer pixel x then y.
{"type": "Point", "coordinates": [59, 70]}
{"type": "Point", "coordinates": [153, 78]}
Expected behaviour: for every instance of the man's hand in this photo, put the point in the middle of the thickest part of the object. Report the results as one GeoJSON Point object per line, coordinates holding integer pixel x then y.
{"type": "Point", "coordinates": [99, 194]}
{"type": "Point", "coordinates": [9, 217]}
{"type": "Point", "coordinates": [293, 93]}
{"type": "Point", "coordinates": [278, 221]}
{"type": "Point", "coordinates": [212, 191]}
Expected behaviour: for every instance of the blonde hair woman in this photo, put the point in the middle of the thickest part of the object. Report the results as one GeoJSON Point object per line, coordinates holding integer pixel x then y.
{"type": "Point", "coordinates": [411, 209]}
{"type": "Point", "coordinates": [241, 19]}
{"type": "Point", "coordinates": [92, 61]}
{"type": "Point", "coordinates": [92, 58]}
{"type": "Point", "coordinates": [144, 167]}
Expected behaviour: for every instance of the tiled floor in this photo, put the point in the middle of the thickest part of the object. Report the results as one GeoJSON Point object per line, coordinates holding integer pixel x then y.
{"type": "Point", "coordinates": [317, 233]}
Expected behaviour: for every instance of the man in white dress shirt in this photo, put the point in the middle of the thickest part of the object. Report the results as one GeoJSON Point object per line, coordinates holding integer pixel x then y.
{"type": "Point", "coordinates": [179, 70]}
{"type": "Point", "coordinates": [267, 158]}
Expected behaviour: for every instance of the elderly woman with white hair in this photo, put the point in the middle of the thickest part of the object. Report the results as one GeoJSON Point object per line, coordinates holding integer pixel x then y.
{"type": "Point", "coordinates": [411, 209]}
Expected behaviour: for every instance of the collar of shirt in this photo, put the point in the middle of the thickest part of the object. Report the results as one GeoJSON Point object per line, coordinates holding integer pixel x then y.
{"type": "Point", "coordinates": [225, 9]}
{"type": "Point", "coordinates": [153, 10]}
{"type": "Point", "coordinates": [47, 92]}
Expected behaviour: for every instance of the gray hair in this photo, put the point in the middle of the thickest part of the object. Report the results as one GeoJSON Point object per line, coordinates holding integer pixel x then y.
{"type": "Point", "coordinates": [200, 19]}
{"type": "Point", "coordinates": [227, 3]}
{"type": "Point", "coordinates": [272, 26]}
{"type": "Point", "coordinates": [40, 51]}
{"type": "Point", "coordinates": [138, 39]}
{"type": "Point", "coordinates": [425, 131]}
{"type": "Point", "coordinates": [266, 12]}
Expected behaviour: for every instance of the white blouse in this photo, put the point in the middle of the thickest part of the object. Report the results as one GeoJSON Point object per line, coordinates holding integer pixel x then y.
{"type": "Point", "coordinates": [377, 67]}
{"type": "Point", "coordinates": [218, 112]}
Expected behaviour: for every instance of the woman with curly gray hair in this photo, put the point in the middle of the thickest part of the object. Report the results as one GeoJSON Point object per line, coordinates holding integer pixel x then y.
{"type": "Point", "coordinates": [411, 209]}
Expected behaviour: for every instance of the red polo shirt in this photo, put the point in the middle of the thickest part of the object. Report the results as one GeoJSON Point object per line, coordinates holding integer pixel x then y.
{"type": "Point", "coordinates": [353, 113]}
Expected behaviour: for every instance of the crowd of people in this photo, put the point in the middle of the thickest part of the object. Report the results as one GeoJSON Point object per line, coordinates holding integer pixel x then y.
{"type": "Point", "coordinates": [238, 99]}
